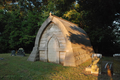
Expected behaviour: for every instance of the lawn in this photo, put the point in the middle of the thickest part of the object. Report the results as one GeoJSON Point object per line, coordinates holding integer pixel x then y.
{"type": "Point", "coordinates": [18, 68]}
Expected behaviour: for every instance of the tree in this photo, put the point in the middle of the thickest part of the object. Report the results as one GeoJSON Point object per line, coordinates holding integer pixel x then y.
{"type": "Point", "coordinates": [99, 16]}
{"type": "Point", "coordinates": [96, 18]}
{"type": "Point", "coordinates": [57, 7]}
{"type": "Point", "coordinates": [4, 34]}
{"type": "Point", "coordinates": [21, 19]}
{"type": "Point", "coordinates": [30, 28]}
{"type": "Point", "coordinates": [9, 5]}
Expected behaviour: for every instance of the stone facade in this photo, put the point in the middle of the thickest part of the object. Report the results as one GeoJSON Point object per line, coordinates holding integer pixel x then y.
{"type": "Point", "coordinates": [52, 45]}
{"type": "Point", "coordinates": [60, 41]}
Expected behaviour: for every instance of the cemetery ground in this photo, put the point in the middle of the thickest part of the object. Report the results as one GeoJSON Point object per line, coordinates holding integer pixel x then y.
{"type": "Point", "coordinates": [18, 68]}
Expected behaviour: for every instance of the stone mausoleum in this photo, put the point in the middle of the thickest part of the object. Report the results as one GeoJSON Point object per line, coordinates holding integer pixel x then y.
{"type": "Point", "coordinates": [60, 41]}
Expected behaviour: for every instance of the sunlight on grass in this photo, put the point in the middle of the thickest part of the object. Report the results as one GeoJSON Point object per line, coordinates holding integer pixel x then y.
{"type": "Point", "coordinates": [18, 68]}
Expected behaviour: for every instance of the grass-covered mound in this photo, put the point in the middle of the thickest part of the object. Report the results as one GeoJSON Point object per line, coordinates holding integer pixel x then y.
{"type": "Point", "coordinates": [18, 68]}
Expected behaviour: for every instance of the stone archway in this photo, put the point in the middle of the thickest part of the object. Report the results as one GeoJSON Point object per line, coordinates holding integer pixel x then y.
{"type": "Point", "coordinates": [52, 46]}
{"type": "Point", "coordinates": [53, 50]}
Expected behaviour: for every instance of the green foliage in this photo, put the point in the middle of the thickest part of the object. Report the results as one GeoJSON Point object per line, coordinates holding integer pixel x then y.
{"type": "Point", "coordinates": [9, 5]}
{"type": "Point", "coordinates": [20, 23]}
{"type": "Point", "coordinates": [97, 20]}
{"type": "Point", "coordinates": [18, 30]}
{"type": "Point", "coordinates": [73, 16]}
{"type": "Point", "coordinates": [3, 35]}
{"type": "Point", "coordinates": [30, 28]}
{"type": "Point", "coordinates": [58, 7]}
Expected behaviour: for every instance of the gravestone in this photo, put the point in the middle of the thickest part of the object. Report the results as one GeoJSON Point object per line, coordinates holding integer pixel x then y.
{"type": "Point", "coordinates": [104, 66]}
{"type": "Point", "coordinates": [116, 64]}
{"type": "Point", "coordinates": [20, 52]}
{"type": "Point", "coordinates": [13, 53]}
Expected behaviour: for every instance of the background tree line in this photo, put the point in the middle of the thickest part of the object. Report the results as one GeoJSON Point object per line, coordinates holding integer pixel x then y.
{"type": "Point", "coordinates": [21, 19]}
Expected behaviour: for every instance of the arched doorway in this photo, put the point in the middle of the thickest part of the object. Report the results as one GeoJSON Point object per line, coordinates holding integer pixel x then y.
{"type": "Point", "coordinates": [53, 50]}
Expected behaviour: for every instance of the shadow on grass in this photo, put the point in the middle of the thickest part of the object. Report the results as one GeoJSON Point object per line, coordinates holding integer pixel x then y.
{"type": "Point", "coordinates": [17, 68]}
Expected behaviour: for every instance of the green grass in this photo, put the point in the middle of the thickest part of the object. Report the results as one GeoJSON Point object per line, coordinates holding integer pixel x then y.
{"type": "Point", "coordinates": [107, 58]}
{"type": "Point", "coordinates": [18, 68]}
